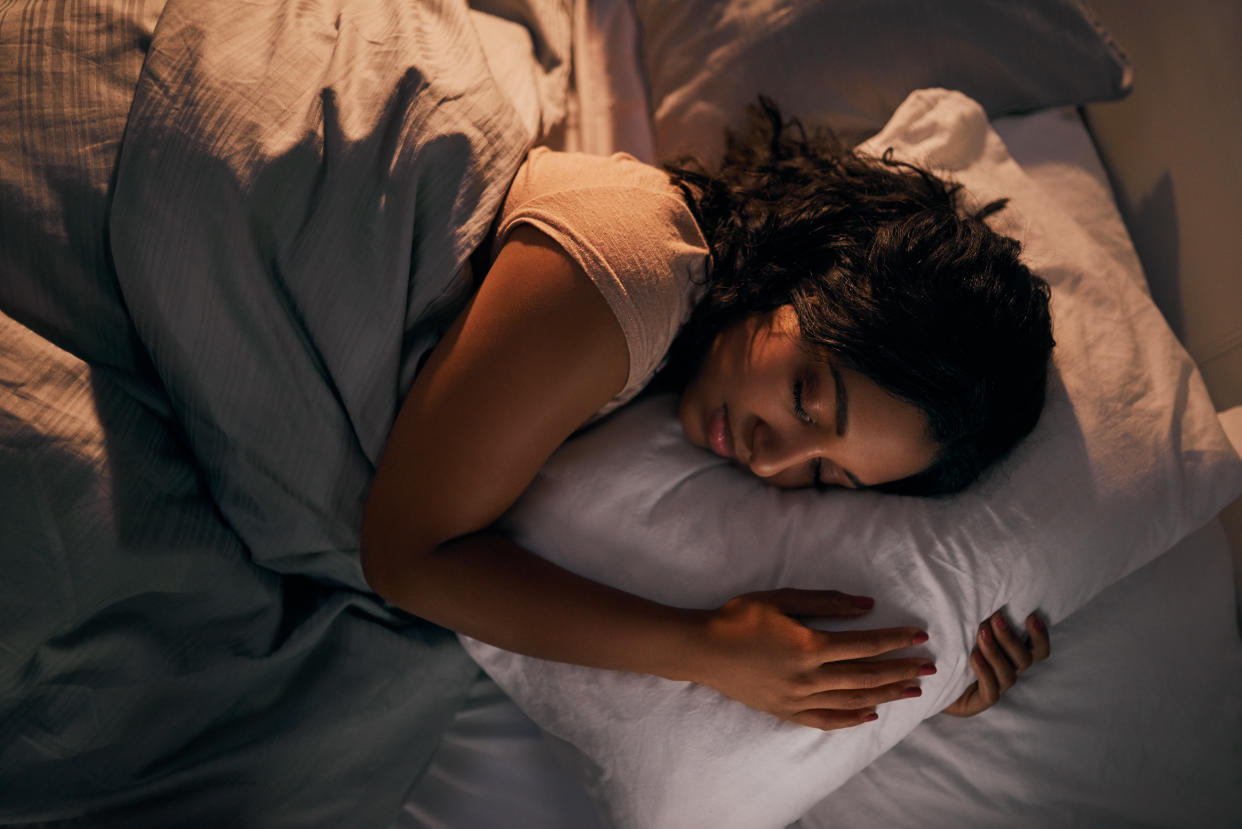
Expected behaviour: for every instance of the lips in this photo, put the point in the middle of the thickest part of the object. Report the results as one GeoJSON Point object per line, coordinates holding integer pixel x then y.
{"type": "Point", "coordinates": [718, 436]}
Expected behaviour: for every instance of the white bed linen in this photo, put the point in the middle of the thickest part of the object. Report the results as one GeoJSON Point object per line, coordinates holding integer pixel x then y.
{"type": "Point", "coordinates": [1061, 703]}
{"type": "Point", "coordinates": [1127, 459]}
{"type": "Point", "coordinates": [1132, 722]}
{"type": "Point", "coordinates": [609, 107]}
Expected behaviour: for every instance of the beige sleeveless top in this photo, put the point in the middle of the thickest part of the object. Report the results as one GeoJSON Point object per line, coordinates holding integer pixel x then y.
{"type": "Point", "coordinates": [629, 228]}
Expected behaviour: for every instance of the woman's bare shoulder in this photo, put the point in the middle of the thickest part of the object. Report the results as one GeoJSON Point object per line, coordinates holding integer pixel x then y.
{"type": "Point", "coordinates": [535, 353]}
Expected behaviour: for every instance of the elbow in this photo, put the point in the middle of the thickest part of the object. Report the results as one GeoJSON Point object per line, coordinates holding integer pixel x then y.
{"type": "Point", "coordinates": [393, 574]}
{"type": "Point", "coordinates": [387, 563]}
{"type": "Point", "coordinates": [392, 554]}
{"type": "Point", "coordinates": [378, 542]}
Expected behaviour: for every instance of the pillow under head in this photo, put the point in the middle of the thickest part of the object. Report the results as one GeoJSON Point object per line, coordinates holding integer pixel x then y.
{"type": "Point", "coordinates": [1127, 459]}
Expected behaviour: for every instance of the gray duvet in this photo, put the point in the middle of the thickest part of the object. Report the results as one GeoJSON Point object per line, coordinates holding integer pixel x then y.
{"type": "Point", "coordinates": [220, 269]}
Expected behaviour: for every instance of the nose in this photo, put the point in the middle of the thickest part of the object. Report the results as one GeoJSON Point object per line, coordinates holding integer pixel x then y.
{"type": "Point", "coordinates": [775, 449]}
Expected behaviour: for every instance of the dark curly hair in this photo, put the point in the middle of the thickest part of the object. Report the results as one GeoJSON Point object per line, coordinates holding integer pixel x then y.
{"type": "Point", "coordinates": [889, 275]}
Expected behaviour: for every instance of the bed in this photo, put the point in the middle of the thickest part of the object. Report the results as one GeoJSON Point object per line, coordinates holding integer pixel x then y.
{"type": "Point", "coordinates": [187, 639]}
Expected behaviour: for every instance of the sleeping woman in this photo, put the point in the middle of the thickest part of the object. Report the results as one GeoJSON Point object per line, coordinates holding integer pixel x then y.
{"type": "Point", "coordinates": [830, 320]}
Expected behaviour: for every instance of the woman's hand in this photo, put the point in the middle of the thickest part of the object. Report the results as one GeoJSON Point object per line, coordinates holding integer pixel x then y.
{"type": "Point", "coordinates": [997, 659]}
{"type": "Point", "coordinates": [757, 653]}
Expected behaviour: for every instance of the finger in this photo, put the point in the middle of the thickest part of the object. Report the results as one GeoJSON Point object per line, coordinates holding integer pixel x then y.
{"type": "Point", "coordinates": [838, 676]}
{"type": "Point", "coordinates": [828, 719]}
{"type": "Point", "coordinates": [820, 602]}
{"type": "Point", "coordinates": [860, 644]}
{"type": "Point", "coordinates": [968, 704]}
{"type": "Point", "coordinates": [996, 658]}
{"type": "Point", "coordinates": [865, 697]}
{"type": "Point", "coordinates": [1041, 645]}
{"type": "Point", "coordinates": [1017, 651]}
{"type": "Point", "coordinates": [989, 687]}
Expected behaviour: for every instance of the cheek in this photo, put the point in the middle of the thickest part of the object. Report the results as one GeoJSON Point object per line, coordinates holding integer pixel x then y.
{"type": "Point", "coordinates": [900, 456]}
{"type": "Point", "coordinates": [697, 390]}
{"type": "Point", "coordinates": [713, 376]}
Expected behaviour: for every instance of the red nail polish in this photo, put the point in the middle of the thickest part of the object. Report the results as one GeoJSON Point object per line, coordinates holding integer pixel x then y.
{"type": "Point", "coordinates": [986, 635]}
{"type": "Point", "coordinates": [871, 718]}
{"type": "Point", "coordinates": [1039, 623]}
{"type": "Point", "coordinates": [911, 693]}
{"type": "Point", "coordinates": [920, 638]}
{"type": "Point", "coordinates": [1001, 623]}
{"type": "Point", "coordinates": [927, 670]}
{"type": "Point", "coordinates": [864, 602]}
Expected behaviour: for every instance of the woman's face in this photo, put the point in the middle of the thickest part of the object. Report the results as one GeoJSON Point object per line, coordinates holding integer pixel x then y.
{"type": "Point", "coordinates": [763, 401]}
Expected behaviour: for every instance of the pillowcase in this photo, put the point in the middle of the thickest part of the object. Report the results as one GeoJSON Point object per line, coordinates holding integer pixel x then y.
{"type": "Point", "coordinates": [1127, 459]}
{"type": "Point", "coordinates": [849, 63]}
{"type": "Point", "coordinates": [1134, 721]}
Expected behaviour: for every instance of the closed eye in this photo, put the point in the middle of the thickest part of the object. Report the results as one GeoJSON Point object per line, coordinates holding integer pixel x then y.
{"type": "Point", "coordinates": [799, 409]}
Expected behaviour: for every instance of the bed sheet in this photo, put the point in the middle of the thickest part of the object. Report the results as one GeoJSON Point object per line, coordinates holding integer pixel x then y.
{"type": "Point", "coordinates": [1010, 765]}
{"type": "Point", "coordinates": [1132, 722]}
{"type": "Point", "coordinates": [1129, 459]}
{"type": "Point", "coordinates": [610, 109]}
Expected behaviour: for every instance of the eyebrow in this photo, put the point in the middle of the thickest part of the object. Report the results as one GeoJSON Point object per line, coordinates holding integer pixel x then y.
{"type": "Point", "coordinates": [843, 419]}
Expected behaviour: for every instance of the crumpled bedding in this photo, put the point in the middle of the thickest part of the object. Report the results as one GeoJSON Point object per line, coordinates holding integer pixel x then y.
{"type": "Point", "coordinates": [299, 190]}
{"type": "Point", "coordinates": [186, 635]}
{"type": "Point", "coordinates": [151, 675]}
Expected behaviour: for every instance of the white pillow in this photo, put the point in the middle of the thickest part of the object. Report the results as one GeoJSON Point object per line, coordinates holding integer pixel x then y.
{"type": "Point", "coordinates": [1127, 459]}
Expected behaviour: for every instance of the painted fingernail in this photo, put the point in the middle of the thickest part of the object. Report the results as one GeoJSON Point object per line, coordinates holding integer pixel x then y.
{"type": "Point", "coordinates": [927, 670]}
{"type": "Point", "coordinates": [911, 693]}
{"type": "Point", "coordinates": [871, 718]}
{"type": "Point", "coordinates": [1038, 622]}
{"type": "Point", "coordinates": [1001, 623]}
{"type": "Point", "coordinates": [864, 602]}
{"type": "Point", "coordinates": [986, 635]}
{"type": "Point", "coordinates": [920, 638]}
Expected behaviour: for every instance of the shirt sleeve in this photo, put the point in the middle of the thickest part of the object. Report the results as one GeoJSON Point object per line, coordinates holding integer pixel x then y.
{"type": "Point", "coordinates": [635, 238]}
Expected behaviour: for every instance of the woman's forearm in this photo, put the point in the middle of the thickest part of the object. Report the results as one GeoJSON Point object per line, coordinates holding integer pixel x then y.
{"type": "Point", "coordinates": [752, 648]}
{"type": "Point", "coordinates": [492, 589]}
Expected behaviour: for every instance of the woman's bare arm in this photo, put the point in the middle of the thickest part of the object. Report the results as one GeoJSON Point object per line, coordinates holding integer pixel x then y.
{"type": "Point", "coordinates": [533, 356]}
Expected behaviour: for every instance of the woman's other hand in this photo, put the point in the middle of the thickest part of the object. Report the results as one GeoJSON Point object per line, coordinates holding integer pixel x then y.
{"type": "Point", "coordinates": [759, 654]}
{"type": "Point", "coordinates": [999, 656]}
